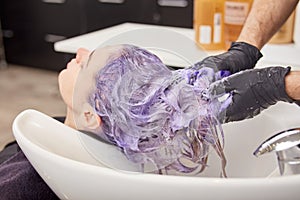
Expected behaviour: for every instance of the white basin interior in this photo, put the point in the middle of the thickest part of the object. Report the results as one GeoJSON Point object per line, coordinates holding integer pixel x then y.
{"type": "Point", "coordinates": [57, 153]}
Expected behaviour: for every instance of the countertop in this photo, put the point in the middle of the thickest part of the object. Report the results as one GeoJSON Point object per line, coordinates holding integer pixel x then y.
{"type": "Point", "coordinates": [283, 54]}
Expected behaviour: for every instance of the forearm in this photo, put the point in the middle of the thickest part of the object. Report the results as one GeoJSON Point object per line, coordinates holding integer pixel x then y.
{"type": "Point", "coordinates": [264, 19]}
{"type": "Point", "coordinates": [292, 85]}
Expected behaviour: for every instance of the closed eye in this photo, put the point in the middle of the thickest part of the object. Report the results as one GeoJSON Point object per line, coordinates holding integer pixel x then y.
{"type": "Point", "coordinates": [85, 64]}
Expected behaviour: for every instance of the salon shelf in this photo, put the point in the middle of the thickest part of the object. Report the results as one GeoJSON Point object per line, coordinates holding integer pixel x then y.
{"type": "Point", "coordinates": [286, 54]}
{"type": "Point", "coordinates": [88, 40]}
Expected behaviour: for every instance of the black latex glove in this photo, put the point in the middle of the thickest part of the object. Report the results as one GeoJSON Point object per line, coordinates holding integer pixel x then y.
{"type": "Point", "coordinates": [240, 56]}
{"type": "Point", "coordinates": [252, 91]}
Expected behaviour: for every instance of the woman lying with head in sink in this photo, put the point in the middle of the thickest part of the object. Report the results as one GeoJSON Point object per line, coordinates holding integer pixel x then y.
{"type": "Point", "coordinates": [127, 96]}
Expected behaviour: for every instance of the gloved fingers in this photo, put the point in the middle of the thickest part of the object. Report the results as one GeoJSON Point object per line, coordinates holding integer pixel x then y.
{"type": "Point", "coordinates": [240, 56]}
{"type": "Point", "coordinates": [233, 115]}
{"type": "Point", "coordinates": [237, 110]}
{"type": "Point", "coordinates": [252, 91]}
{"type": "Point", "coordinates": [220, 87]}
{"type": "Point", "coordinates": [210, 62]}
{"type": "Point", "coordinates": [244, 56]}
{"type": "Point", "coordinates": [223, 110]}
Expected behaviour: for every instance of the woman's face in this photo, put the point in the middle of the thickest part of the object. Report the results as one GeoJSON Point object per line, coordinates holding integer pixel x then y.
{"type": "Point", "coordinates": [78, 79]}
{"type": "Point", "coordinates": [67, 77]}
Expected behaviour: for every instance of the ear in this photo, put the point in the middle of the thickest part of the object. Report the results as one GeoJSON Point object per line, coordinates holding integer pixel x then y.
{"type": "Point", "coordinates": [90, 119]}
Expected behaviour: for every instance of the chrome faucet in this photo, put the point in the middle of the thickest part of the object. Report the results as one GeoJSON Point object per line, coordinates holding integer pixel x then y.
{"type": "Point", "coordinates": [286, 144]}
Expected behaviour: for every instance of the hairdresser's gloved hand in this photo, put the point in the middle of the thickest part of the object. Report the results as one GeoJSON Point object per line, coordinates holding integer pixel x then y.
{"type": "Point", "coordinates": [240, 56]}
{"type": "Point", "coordinates": [251, 92]}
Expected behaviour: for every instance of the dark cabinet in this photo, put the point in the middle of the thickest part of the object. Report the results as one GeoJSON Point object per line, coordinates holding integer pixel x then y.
{"type": "Point", "coordinates": [104, 13]}
{"type": "Point", "coordinates": [178, 13]}
{"type": "Point", "coordinates": [31, 27]}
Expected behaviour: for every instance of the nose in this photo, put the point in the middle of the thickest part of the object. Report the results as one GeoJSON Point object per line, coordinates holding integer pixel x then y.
{"type": "Point", "coordinates": [81, 54]}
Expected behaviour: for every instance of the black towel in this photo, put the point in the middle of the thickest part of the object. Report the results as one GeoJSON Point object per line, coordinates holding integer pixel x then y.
{"type": "Point", "coordinates": [19, 180]}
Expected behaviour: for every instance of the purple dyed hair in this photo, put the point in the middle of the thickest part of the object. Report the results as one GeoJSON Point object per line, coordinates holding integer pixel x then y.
{"type": "Point", "coordinates": [158, 115]}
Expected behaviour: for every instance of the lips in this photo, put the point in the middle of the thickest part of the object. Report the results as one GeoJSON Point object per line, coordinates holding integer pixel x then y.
{"type": "Point", "coordinates": [70, 63]}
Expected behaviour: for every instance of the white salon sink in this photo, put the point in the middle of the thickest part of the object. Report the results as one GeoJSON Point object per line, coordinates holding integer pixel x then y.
{"type": "Point", "coordinates": [57, 153]}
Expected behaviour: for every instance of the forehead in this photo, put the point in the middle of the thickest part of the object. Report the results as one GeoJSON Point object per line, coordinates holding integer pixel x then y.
{"type": "Point", "coordinates": [102, 55]}
{"type": "Point", "coordinates": [96, 61]}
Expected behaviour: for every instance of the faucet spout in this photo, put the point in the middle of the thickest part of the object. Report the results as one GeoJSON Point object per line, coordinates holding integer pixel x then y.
{"type": "Point", "coordinates": [286, 144]}
{"type": "Point", "coordinates": [279, 142]}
